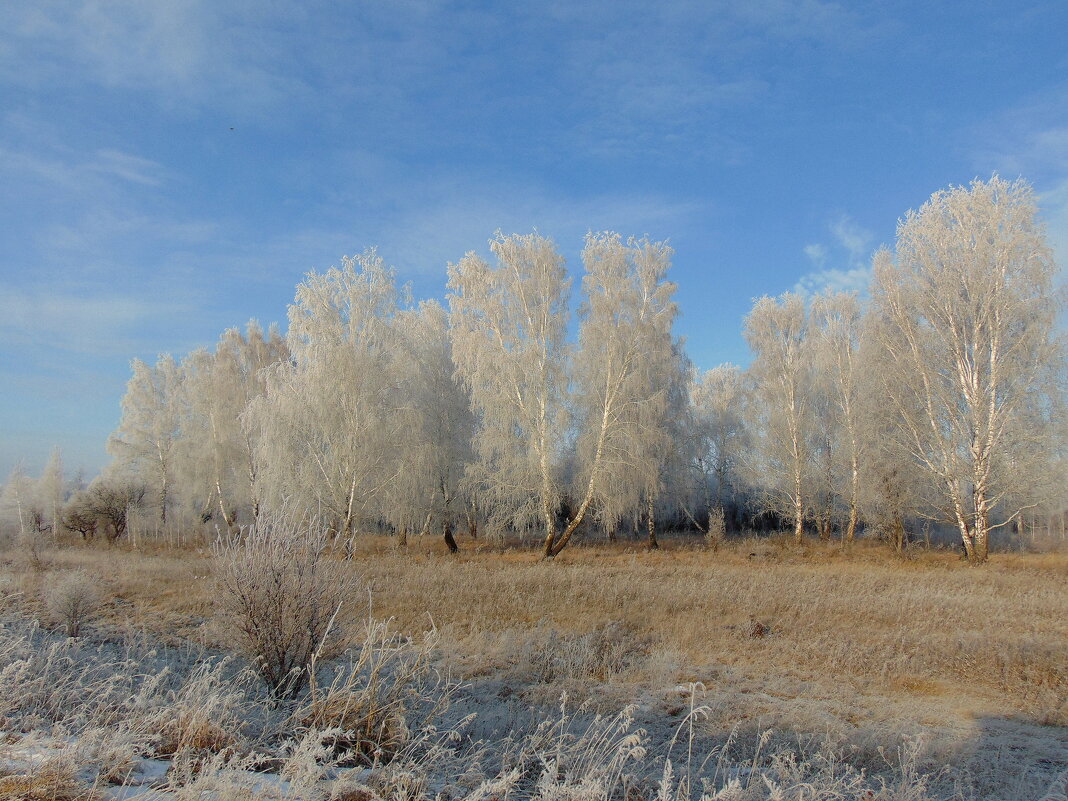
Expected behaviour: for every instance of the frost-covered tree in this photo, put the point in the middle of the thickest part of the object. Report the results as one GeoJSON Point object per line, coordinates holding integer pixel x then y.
{"type": "Point", "coordinates": [836, 334]}
{"type": "Point", "coordinates": [508, 326]}
{"type": "Point", "coordinates": [50, 491]}
{"type": "Point", "coordinates": [438, 429]}
{"type": "Point", "coordinates": [144, 445]}
{"type": "Point", "coordinates": [717, 401]}
{"type": "Point", "coordinates": [893, 491]}
{"type": "Point", "coordinates": [781, 414]}
{"type": "Point", "coordinates": [626, 375]}
{"type": "Point", "coordinates": [967, 316]}
{"type": "Point", "coordinates": [220, 457]}
{"type": "Point", "coordinates": [15, 501]}
{"type": "Point", "coordinates": [327, 433]}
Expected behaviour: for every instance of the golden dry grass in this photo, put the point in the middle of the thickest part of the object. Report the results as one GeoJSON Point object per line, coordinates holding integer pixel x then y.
{"type": "Point", "coordinates": [47, 783]}
{"type": "Point", "coordinates": [848, 635]}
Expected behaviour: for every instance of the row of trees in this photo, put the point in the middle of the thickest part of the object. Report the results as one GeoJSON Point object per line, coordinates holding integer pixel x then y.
{"type": "Point", "coordinates": [940, 398]}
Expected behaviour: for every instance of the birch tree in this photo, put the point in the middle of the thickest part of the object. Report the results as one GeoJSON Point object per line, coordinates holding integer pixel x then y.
{"type": "Point", "coordinates": [968, 314]}
{"type": "Point", "coordinates": [145, 441]}
{"type": "Point", "coordinates": [717, 398]}
{"type": "Point", "coordinates": [438, 428]}
{"type": "Point", "coordinates": [326, 431]}
{"type": "Point", "coordinates": [781, 374]}
{"type": "Point", "coordinates": [836, 332]}
{"type": "Point", "coordinates": [51, 491]}
{"type": "Point", "coordinates": [893, 488]}
{"type": "Point", "coordinates": [15, 499]}
{"type": "Point", "coordinates": [221, 385]}
{"type": "Point", "coordinates": [508, 326]}
{"type": "Point", "coordinates": [627, 372]}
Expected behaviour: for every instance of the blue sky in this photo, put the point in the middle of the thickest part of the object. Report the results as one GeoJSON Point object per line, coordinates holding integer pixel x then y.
{"type": "Point", "coordinates": [170, 169]}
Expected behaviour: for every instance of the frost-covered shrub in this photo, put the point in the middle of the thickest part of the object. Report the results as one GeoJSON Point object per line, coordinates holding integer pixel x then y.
{"type": "Point", "coordinates": [278, 591]}
{"type": "Point", "coordinates": [717, 528]}
{"type": "Point", "coordinates": [74, 601]}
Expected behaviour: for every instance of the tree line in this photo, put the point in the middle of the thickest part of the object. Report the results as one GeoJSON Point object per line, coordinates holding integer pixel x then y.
{"type": "Point", "coordinates": [939, 398]}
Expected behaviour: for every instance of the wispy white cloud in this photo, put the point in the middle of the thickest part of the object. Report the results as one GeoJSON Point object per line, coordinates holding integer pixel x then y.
{"type": "Point", "coordinates": [1031, 141]}
{"type": "Point", "coordinates": [75, 173]}
{"type": "Point", "coordinates": [817, 254]}
{"type": "Point", "coordinates": [181, 52]}
{"type": "Point", "coordinates": [850, 247]}
{"type": "Point", "coordinates": [853, 237]}
{"type": "Point", "coordinates": [75, 322]}
{"type": "Point", "coordinates": [617, 85]}
{"type": "Point", "coordinates": [856, 280]}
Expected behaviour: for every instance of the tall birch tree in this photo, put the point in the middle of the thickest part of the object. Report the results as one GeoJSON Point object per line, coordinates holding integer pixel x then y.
{"type": "Point", "coordinates": [326, 431]}
{"type": "Point", "coordinates": [836, 332]}
{"type": "Point", "coordinates": [509, 325]}
{"type": "Point", "coordinates": [781, 373]}
{"type": "Point", "coordinates": [968, 315]}
{"type": "Point", "coordinates": [221, 386]}
{"type": "Point", "coordinates": [145, 442]}
{"type": "Point", "coordinates": [627, 373]}
{"type": "Point", "coordinates": [51, 491]}
{"type": "Point", "coordinates": [437, 434]}
{"type": "Point", "coordinates": [719, 436]}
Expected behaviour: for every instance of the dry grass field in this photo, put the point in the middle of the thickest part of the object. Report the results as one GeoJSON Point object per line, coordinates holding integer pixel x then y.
{"type": "Point", "coordinates": [877, 655]}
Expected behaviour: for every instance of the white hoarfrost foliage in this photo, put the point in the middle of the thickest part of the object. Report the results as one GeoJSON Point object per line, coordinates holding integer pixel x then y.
{"type": "Point", "coordinates": [278, 593]}
{"type": "Point", "coordinates": [943, 400]}
{"type": "Point", "coordinates": [509, 324]}
{"type": "Point", "coordinates": [16, 504]}
{"type": "Point", "coordinates": [719, 436]}
{"type": "Point", "coordinates": [837, 333]}
{"type": "Point", "coordinates": [625, 369]}
{"type": "Point", "coordinates": [50, 493]}
{"type": "Point", "coordinates": [329, 430]}
{"type": "Point", "coordinates": [219, 458]}
{"type": "Point", "coordinates": [965, 313]}
{"type": "Point", "coordinates": [781, 414]}
{"type": "Point", "coordinates": [436, 435]}
{"type": "Point", "coordinates": [145, 443]}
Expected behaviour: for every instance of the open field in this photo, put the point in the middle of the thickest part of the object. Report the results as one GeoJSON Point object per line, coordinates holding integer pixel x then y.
{"type": "Point", "coordinates": [824, 647]}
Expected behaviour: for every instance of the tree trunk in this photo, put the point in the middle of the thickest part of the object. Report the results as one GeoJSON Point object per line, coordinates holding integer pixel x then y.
{"type": "Point", "coordinates": [347, 530]}
{"type": "Point", "coordinates": [899, 533]}
{"type": "Point", "coordinates": [854, 494]}
{"type": "Point", "coordinates": [851, 527]}
{"type": "Point", "coordinates": [981, 533]}
{"type": "Point", "coordinates": [450, 541]}
{"type": "Point", "coordinates": [966, 536]}
{"type": "Point", "coordinates": [799, 515]}
{"type": "Point", "coordinates": [163, 502]}
{"type": "Point", "coordinates": [550, 533]}
{"type": "Point", "coordinates": [650, 519]}
{"type": "Point", "coordinates": [222, 506]}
